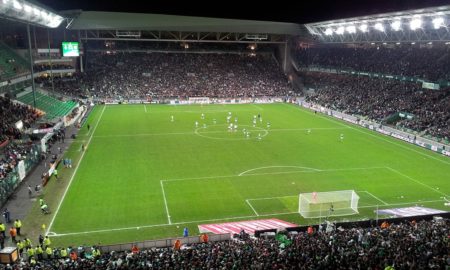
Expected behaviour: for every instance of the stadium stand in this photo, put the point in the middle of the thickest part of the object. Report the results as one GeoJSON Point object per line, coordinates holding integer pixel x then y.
{"type": "Point", "coordinates": [378, 98]}
{"type": "Point", "coordinates": [158, 75]}
{"type": "Point", "coordinates": [10, 63]}
{"type": "Point", "coordinates": [10, 113]}
{"type": "Point", "coordinates": [408, 245]}
{"type": "Point", "coordinates": [51, 106]}
{"type": "Point", "coordinates": [425, 63]}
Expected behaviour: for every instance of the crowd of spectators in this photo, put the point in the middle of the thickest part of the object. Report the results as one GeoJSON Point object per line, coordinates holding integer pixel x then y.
{"type": "Point", "coordinates": [48, 67]}
{"type": "Point", "coordinates": [378, 98]}
{"type": "Point", "coordinates": [148, 76]}
{"type": "Point", "coordinates": [10, 113]}
{"type": "Point", "coordinates": [409, 245]}
{"type": "Point", "coordinates": [432, 63]}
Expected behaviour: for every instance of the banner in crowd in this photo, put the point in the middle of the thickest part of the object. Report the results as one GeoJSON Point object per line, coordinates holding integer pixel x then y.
{"type": "Point", "coordinates": [21, 170]}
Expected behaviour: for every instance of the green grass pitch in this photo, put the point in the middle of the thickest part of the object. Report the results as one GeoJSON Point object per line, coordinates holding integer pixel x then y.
{"type": "Point", "coordinates": [143, 176]}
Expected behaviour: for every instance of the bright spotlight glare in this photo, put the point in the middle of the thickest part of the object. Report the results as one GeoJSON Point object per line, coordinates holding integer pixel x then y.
{"type": "Point", "coordinates": [17, 5]}
{"type": "Point", "coordinates": [379, 27]}
{"type": "Point", "coordinates": [351, 29]}
{"type": "Point", "coordinates": [340, 30]}
{"type": "Point", "coordinates": [363, 28]}
{"type": "Point", "coordinates": [36, 12]}
{"type": "Point", "coordinates": [438, 22]}
{"type": "Point", "coordinates": [328, 31]}
{"type": "Point", "coordinates": [27, 8]}
{"type": "Point", "coordinates": [396, 25]}
{"type": "Point", "coordinates": [415, 24]}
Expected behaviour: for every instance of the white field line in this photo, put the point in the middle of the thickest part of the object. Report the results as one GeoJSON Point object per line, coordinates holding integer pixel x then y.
{"type": "Point", "coordinates": [251, 206]}
{"type": "Point", "coordinates": [272, 173]}
{"type": "Point", "coordinates": [209, 132]}
{"type": "Point", "coordinates": [378, 199]}
{"type": "Point", "coordinates": [165, 202]}
{"type": "Point", "coordinates": [217, 219]}
{"type": "Point", "coordinates": [267, 167]}
{"type": "Point", "coordinates": [145, 108]}
{"type": "Point", "coordinates": [74, 172]}
{"type": "Point", "coordinates": [417, 181]}
{"type": "Point", "coordinates": [373, 135]}
{"type": "Point", "coordinates": [271, 198]}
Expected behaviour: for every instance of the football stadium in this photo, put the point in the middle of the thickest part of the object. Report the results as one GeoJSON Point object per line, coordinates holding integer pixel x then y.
{"type": "Point", "coordinates": [154, 141]}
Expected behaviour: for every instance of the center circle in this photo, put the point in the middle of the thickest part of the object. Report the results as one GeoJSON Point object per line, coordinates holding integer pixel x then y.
{"type": "Point", "coordinates": [221, 132]}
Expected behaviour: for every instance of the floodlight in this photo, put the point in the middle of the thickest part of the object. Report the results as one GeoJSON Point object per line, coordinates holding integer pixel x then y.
{"type": "Point", "coordinates": [328, 31]}
{"type": "Point", "coordinates": [415, 24]}
{"type": "Point", "coordinates": [27, 8]}
{"type": "Point", "coordinates": [351, 29]}
{"type": "Point", "coordinates": [29, 12]}
{"type": "Point", "coordinates": [17, 5]}
{"type": "Point", "coordinates": [340, 30]}
{"type": "Point", "coordinates": [363, 28]}
{"type": "Point", "coordinates": [379, 27]}
{"type": "Point", "coordinates": [438, 22]}
{"type": "Point", "coordinates": [396, 25]}
{"type": "Point", "coordinates": [398, 43]}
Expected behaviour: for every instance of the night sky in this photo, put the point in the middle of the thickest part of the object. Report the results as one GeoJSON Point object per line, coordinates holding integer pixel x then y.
{"type": "Point", "coordinates": [296, 11]}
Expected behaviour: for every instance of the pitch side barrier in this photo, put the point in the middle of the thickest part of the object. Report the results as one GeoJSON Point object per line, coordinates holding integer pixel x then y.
{"type": "Point", "coordinates": [193, 100]}
{"type": "Point", "coordinates": [386, 130]}
{"type": "Point", "coordinates": [163, 243]}
{"type": "Point", "coordinates": [359, 224]}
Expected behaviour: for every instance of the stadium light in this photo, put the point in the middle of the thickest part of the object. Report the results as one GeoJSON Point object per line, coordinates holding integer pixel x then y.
{"type": "Point", "coordinates": [363, 28]}
{"type": "Point", "coordinates": [351, 29]}
{"type": "Point", "coordinates": [438, 22]}
{"type": "Point", "coordinates": [396, 25]}
{"type": "Point", "coordinates": [328, 31]}
{"type": "Point", "coordinates": [17, 5]}
{"type": "Point", "coordinates": [29, 12]}
{"type": "Point", "coordinates": [340, 30]}
{"type": "Point", "coordinates": [379, 27]}
{"type": "Point", "coordinates": [415, 24]}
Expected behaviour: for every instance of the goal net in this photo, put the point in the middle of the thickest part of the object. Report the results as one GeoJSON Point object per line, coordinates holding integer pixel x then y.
{"type": "Point", "coordinates": [324, 204]}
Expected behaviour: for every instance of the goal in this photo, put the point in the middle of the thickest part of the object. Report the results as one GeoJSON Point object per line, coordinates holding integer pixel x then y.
{"type": "Point", "coordinates": [325, 204]}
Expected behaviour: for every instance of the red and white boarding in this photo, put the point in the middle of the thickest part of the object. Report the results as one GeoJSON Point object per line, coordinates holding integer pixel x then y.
{"type": "Point", "coordinates": [249, 226]}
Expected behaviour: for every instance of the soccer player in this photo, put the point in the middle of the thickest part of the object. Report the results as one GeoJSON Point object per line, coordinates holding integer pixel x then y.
{"type": "Point", "coordinates": [268, 124]}
{"type": "Point", "coordinates": [259, 136]}
{"type": "Point", "coordinates": [196, 124]}
{"type": "Point", "coordinates": [214, 121]}
{"type": "Point", "coordinates": [308, 131]}
{"type": "Point", "coordinates": [314, 197]}
{"type": "Point", "coordinates": [235, 119]}
{"type": "Point", "coordinates": [341, 137]}
{"type": "Point", "coordinates": [171, 118]}
{"type": "Point", "coordinates": [203, 116]}
{"type": "Point", "coordinates": [235, 127]}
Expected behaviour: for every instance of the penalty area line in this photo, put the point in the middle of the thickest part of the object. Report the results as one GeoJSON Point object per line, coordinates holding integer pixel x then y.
{"type": "Point", "coordinates": [54, 234]}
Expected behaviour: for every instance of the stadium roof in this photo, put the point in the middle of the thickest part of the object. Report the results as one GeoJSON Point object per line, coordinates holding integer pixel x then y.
{"type": "Point", "coordinates": [428, 24]}
{"type": "Point", "coordinates": [97, 20]}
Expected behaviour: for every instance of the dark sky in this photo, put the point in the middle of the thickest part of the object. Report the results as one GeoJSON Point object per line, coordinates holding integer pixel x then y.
{"type": "Point", "coordinates": [298, 11]}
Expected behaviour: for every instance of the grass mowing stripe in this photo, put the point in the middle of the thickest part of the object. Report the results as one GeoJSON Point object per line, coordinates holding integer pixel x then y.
{"type": "Point", "coordinates": [73, 175]}
{"type": "Point", "coordinates": [373, 135]}
{"type": "Point", "coordinates": [417, 181]}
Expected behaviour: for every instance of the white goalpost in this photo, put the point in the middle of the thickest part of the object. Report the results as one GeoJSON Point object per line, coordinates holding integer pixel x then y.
{"type": "Point", "coordinates": [325, 204]}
